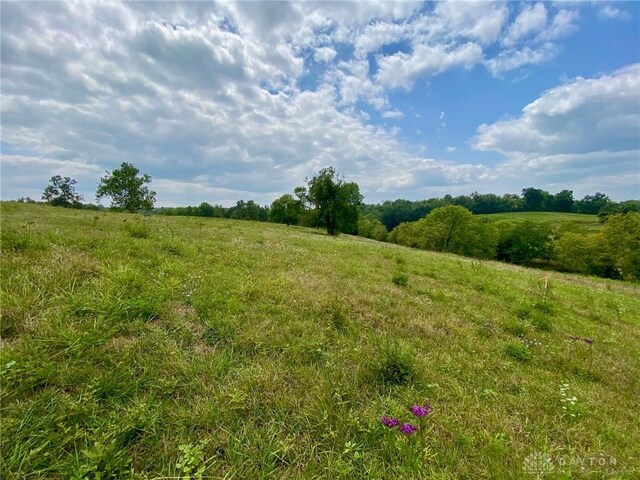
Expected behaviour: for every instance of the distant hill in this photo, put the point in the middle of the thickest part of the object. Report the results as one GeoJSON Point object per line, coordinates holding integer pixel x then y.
{"type": "Point", "coordinates": [589, 221]}
{"type": "Point", "coordinates": [141, 347]}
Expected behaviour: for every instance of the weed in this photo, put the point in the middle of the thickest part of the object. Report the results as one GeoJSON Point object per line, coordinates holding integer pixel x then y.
{"type": "Point", "coordinates": [516, 329]}
{"type": "Point", "coordinates": [138, 230]}
{"type": "Point", "coordinates": [396, 366]}
{"type": "Point", "coordinates": [519, 352]}
{"type": "Point", "coordinates": [569, 402]}
{"type": "Point", "coordinates": [400, 279]}
{"type": "Point", "coordinates": [541, 323]}
{"type": "Point", "coordinates": [191, 462]}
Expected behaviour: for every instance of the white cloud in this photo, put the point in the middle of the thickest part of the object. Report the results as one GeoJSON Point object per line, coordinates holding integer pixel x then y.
{"type": "Point", "coordinates": [563, 24]}
{"type": "Point", "coordinates": [580, 130]}
{"type": "Point", "coordinates": [531, 19]}
{"type": "Point", "coordinates": [402, 69]}
{"type": "Point", "coordinates": [392, 114]}
{"type": "Point", "coordinates": [582, 115]}
{"type": "Point", "coordinates": [512, 59]}
{"type": "Point", "coordinates": [324, 54]}
{"type": "Point", "coordinates": [230, 100]}
{"type": "Point", "coordinates": [609, 12]}
{"type": "Point", "coordinates": [480, 21]}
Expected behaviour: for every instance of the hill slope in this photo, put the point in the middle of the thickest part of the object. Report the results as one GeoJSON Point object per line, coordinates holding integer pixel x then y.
{"type": "Point", "coordinates": [147, 346]}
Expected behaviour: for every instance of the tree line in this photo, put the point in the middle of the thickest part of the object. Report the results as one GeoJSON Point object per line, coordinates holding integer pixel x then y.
{"type": "Point", "coordinates": [394, 212]}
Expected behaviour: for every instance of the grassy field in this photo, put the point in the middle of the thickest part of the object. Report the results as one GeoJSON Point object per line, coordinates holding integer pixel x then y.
{"type": "Point", "coordinates": [588, 221]}
{"type": "Point", "coordinates": [148, 347]}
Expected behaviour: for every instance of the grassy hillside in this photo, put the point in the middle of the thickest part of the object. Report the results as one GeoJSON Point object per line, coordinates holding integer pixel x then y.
{"type": "Point", "coordinates": [150, 346]}
{"type": "Point", "coordinates": [589, 221]}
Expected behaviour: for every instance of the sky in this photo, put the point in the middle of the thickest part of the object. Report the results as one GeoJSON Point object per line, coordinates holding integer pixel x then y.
{"type": "Point", "coordinates": [244, 100]}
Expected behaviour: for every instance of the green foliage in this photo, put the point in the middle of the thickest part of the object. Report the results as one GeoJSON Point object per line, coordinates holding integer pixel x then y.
{"type": "Point", "coordinates": [400, 279]}
{"type": "Point", "coordinates": [337, 201]}
{"type": "Point", "coordinates": [524, 243]}
{"type": "Point", "coordinates": [191, 463]}
{"type": "Point", "coordinates": [395, 366]}
{"type": "Point", "coordinates": [247, 211]}
{"type": "Point", "coordinates": [592, 204]}
{"type": "Point", "coordinates": [138, 229]}
{"type": "Point", "coordinates": [61, 192]}
{"type": "Point", "coordinates": [451, 229]}
{"type": "Point", "coordinates": [373, 228]}
{"type": "Point", "coordinates": [612, 252]}
{"type": "Point", "coordinates": [127, 189]}
{"type": "Point", "coordinates": [519, 352]}
{"type": "Point", "coordinates": [285, 209]}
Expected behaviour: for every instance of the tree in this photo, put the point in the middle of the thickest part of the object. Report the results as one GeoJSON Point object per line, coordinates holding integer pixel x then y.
{"type": "Point", "coordinates": [337, 202]}
{"type": "Point", "coordinates": [61, 192]}
{"type": "Point", "coordinates": [534, 199]}
{"type": "Point", "coordinates": [455, 229]}
{"type": "Point", "coordinates": [563, 201]}
{"type": "Point", "coordinates": [592, 204]}
{"type": "Point", "coordinates": [126, 189]}
{"type": "Point", "coordinates": [370, 227]}
{"type": "Point", "coordinates": [524, 243]}
{"type": "Point", "coordinates": [285, 209]}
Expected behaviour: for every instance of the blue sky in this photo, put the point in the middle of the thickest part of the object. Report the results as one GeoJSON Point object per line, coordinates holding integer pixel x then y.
{"type": "Point", "coordinates": [226, 101]}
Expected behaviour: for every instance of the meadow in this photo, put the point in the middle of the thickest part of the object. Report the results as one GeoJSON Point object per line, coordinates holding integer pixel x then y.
{"type": "Point", "coordinates": [554, 218]}
{"type": "Point", "coordinates": [155, 347]}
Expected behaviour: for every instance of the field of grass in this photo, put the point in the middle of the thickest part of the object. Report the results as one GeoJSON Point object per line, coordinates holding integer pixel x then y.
{"type": "Point", "coordinates": [148, 347]}
{"type": "Point", "coordinates": [588, 221]}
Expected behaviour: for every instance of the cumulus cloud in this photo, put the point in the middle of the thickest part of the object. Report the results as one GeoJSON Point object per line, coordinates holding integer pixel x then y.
{"type": "Point", "coordinates": [513, 59]}
{"type": "Point", "coordinates": [402, 69]}
{"type": "Point", "coordinates": [531, 19]}
{"type": "Point", "coordinates": [582, 129]}
{"type": "Point", "coordinates": [324, 54]}
{"type": "Point", "coordinates": [241, 99]}
{"type": "Point", "coordinates": [609, 12]}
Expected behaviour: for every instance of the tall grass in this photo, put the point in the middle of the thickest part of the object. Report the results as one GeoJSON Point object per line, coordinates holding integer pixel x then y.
{"type": "Point", "coordinates": [144, 347]}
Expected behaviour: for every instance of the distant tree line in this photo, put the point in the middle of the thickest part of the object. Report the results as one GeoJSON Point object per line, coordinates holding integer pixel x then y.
{"type": "Point", "coordinates": [394, 212]}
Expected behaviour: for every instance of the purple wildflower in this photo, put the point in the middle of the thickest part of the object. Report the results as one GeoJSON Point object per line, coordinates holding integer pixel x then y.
{"type": "Point", "coordinates": [421, 410]}
{"type": "Point", "coordinates": [389, 421]}
{"type": "Point", "coordinates": [408, 429]}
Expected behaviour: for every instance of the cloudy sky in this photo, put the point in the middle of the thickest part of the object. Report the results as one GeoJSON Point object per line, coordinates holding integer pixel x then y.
{"type": "Point", "coordinates": [226, 101]}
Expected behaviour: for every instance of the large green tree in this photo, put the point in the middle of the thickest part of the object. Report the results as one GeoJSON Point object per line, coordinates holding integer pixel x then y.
{"type": "Point", "coordinates": [127, 189]}
{"type": "Point", "coordinates": [337, 202]}
{"type": "Point", "coordinates": [285, 209]}
{"type": "Point", "coordinates": [61, 192]}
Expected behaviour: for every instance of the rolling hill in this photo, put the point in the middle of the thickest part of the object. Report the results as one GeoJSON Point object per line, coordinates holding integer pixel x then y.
{"type": "Point", "coordinates": [140, 347]}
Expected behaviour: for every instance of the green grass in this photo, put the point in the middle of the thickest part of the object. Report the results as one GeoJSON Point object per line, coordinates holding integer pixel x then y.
{"type": "Point", "coordinates": [588, 221]}
{"type": "Point", "coordinates": [139, 347]}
